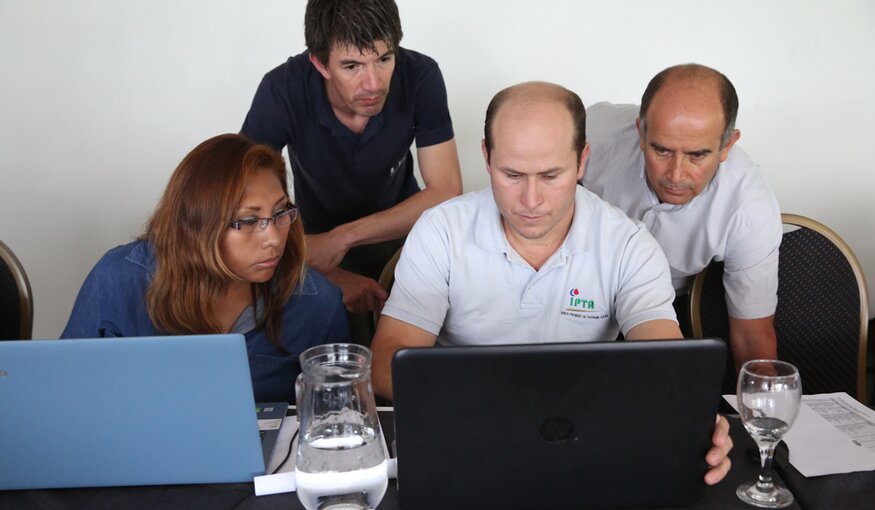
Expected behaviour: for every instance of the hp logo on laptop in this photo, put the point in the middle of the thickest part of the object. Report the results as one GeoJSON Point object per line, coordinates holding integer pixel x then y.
{"type": "Point", "coordinates": [557, 429]}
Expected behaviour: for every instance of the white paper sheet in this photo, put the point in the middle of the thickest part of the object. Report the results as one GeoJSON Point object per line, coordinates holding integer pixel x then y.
{"type": "Point", "coordinates": [832, 434]}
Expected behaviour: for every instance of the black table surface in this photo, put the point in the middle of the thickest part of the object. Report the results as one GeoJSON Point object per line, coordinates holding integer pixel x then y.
{"type": "Point", "coordinates": [851, 491]}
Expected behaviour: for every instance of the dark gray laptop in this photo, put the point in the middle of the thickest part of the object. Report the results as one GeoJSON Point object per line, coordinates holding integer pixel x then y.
{"type": "Point", "coordinates": [585, 425]}
{"type": "Point", "coordinates": [127, 411]}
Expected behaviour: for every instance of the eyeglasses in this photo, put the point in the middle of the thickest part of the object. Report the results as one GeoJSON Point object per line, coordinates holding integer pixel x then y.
{"type": "Point", "coordinates": [254, 225]}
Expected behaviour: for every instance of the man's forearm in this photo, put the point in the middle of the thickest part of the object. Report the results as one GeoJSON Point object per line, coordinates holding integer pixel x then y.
{"type": "Point", "coordinates": [392, 223]}
{"type": "Point", "coordinates": [391, 336]}
{"type": "Point", "coordinates": [752, 339]}
{"type": "Point", "coordinates": [658, 329]}
{"type": "Point", "coordinates": [439, 167]}
{"type": "Point", "coordinates": [381, 368]}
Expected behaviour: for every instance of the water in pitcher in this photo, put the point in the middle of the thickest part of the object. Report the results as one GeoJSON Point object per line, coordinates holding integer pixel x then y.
{"type": "Point", "coordinates": [359, 450]}
{"type": "Point", "coordinates": [341, 457]}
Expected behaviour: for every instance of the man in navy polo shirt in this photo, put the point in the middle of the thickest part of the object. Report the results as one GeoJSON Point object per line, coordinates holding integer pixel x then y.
{"type": "Point", "coordinates": [348, 110]}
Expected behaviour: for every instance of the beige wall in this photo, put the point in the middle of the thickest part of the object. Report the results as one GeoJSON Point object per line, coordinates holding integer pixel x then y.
{"type": "Point", "coordinates": [100, 99]}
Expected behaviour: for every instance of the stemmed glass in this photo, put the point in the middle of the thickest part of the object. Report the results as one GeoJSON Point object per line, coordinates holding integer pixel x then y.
{"type": "Point", "coordinates": [769, 393]}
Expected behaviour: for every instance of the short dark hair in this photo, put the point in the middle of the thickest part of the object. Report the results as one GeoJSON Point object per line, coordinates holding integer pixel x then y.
{"type": "Point", "coordinates": [571, 101]}
{"type": "Point", "coordinates": [354, 23]}
{"type": "Point", "coordinates": [728, 96]}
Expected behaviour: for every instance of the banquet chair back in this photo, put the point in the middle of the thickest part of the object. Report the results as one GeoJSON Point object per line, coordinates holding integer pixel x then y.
{"type": "Point", "coordinates": [16, 300]}
{"type": "Point", "coordinates": [821, 321]}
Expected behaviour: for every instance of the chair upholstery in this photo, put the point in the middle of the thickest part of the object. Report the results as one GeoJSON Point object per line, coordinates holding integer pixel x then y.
{"type": "Point", "coordinates": [821, 321]}
{"type": "Point", "coordinates": [16, 300]}
{"type": "Point", "coordinates": [387, 278]}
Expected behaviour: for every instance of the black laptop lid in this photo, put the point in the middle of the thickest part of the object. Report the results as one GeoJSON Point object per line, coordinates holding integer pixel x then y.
{"type": "Point", "coordinates": [585, 425]}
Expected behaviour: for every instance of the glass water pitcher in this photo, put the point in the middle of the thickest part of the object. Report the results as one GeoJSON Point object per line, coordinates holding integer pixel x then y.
{"type": "Point", "coordinates": [341, 456]}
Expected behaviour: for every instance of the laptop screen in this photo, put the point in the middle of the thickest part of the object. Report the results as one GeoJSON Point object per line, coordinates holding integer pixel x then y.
{"type": "Point", "coordinates": [127, 411]}
{"type": "Point", "coordinates": [585, 425]}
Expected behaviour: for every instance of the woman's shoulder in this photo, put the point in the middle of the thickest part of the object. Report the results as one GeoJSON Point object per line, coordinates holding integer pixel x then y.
{"type": "Point", "coordinates": [110, 301]}
{"type": "Point", "coordinates": [315, 311]}
{"type": "Point", "coordinates": [315, 283]}
{"type": "Point", "coordinates": [136, 257]}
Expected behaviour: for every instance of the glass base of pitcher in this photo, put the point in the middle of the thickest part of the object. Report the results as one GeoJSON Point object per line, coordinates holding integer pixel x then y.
{"type": "Point", "coordinates": [356, 490]}
{"type": "Point", "coordinates": [344, 502]}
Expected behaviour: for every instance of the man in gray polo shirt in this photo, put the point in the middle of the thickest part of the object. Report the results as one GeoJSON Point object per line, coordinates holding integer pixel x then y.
{"type": "Point", "coordinates": [534, 258]}
{"type": "Point", "coordinates": [674, 165]}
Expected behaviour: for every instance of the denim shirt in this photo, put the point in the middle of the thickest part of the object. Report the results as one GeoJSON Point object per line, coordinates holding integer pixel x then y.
{"type": "Point", "coordinates": [112, 303]}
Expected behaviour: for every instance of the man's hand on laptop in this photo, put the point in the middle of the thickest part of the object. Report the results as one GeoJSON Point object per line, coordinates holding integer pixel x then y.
{"type": "Point", "coordinates": [718, 456]}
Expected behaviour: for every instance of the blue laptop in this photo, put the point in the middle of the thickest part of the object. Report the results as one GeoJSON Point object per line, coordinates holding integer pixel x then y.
{"type": "Point", "coordinates": [127, 411]}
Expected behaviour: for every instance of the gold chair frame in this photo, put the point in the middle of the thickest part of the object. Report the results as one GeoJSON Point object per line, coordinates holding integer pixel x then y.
{"type": "Point", "coordinates": [25, 296]}
{"type": "Point", "coordinates": [387, 278]}
{"type": "Point", "coordinates": [803, 222]}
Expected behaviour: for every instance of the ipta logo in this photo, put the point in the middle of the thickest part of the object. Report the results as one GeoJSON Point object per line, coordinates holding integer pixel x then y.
{"type": "Point", "coordinates": [578, 302]}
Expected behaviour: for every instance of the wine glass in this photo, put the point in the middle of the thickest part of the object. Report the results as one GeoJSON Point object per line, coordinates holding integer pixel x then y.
{"type": "Point", "coordinates": [769, 393]}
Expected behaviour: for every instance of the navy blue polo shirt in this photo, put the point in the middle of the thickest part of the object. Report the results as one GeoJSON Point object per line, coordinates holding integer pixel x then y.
{"type": "Point", "coordinates": [341, 176]}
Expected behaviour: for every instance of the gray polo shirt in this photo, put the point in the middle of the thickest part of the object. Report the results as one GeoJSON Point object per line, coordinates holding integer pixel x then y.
{"type": "Point", "coordinates": [736, 219]}
{"type": "Point", "coordinates": [459, 279]}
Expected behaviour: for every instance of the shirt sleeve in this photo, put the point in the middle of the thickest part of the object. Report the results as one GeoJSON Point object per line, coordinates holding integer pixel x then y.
{"type": "Point", "coordinates": [336, 324]}
{"type": "Point", "coordinates": [112, 300]}
{"type": "Point", "coordinates": [313, 315]}
{"type": "Point", "coordinates": [433, 124]}
{"type": "Point", "coordinates": [420, 294]}
{"type": "Point", "coordinates": [101, 307]}
{"type": "Point", "coordinates": [750, 270]}
{"type": "Point", "coordinates": [86, 314]}
{"type": "Point", "coordinates": [270, 116]}
{"type": "Point", "coordinates": [645, 292]}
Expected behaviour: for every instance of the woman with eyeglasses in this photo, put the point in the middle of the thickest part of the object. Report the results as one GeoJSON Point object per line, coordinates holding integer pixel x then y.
{"type": "Point", "coordinates": [222, 253]}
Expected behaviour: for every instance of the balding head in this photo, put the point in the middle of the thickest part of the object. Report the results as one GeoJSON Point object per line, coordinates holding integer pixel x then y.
{"type": "Point", "coordinates": [686, 129]}
{"type": "Point", "coordinates": [529, 95]}
{"type": "Point", "coordinates": [535, 153]}
{"type": "Point", "coordinates": [690, 83]}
